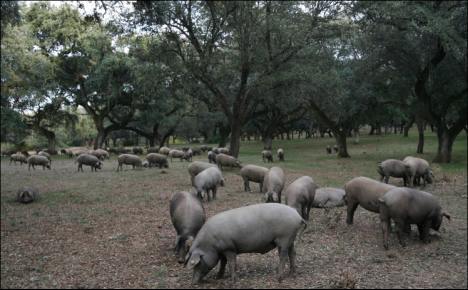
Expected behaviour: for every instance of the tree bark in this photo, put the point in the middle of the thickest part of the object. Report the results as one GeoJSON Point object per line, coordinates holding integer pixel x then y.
{"type": "Point", "coordinates": [340, 138]}
{"type": "Point", "coordinates": [236, 131]}
{"type": "Point", "coordinates": [223, 135]}
{"type": "Point", "coordinates": [408, 126]}
{"type": "Point", "coordinates": [420, 124]}
{"type": "Point", "coordinates": [444, 150]}
{"type": "Point", "coordinates": [51, 142]}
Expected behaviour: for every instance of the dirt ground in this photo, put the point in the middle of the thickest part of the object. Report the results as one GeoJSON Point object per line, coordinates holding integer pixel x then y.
{"type": "Point", "coordinates": [112, 230]}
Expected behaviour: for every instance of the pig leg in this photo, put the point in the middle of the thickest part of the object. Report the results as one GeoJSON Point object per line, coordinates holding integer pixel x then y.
{"type": "Point", "coordinates": [246, 185]}
{"type": "Point", "coordinates": [292, 260]}
{"type": "Point", "coordinates": [177, 245]}
{"type": "Point", "coordinates": [213, 192]}
{"type": "Point", "coordinates": [386, 179]}
{"type": "Point", "coordinates": [424, 229]}
{"type": "Point", "coordinates": [231, 260]}
{"type": "Point", "coordinates": [400, 223]}
{"type": "Point", "coordinates": [385, 231]}
{"type": "Point", "coordinates": [351, 209]}
{"type": "Point", "coordinates": [222, 267]}
{"type": "Point", "coordinates": [304, 212]}
{"type": "Point", "coordinates": [261, 186]}
{"type": "Point", "coordinates": [308, 210]}
{"type": "Point", "coordinates": [283, 255]}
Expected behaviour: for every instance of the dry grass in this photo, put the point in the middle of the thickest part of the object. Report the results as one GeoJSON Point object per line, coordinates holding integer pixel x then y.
{"type": "Point", "coordinates": [112, 230]}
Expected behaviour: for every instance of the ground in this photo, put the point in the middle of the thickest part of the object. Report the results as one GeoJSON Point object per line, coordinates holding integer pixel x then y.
{"type": "Point", "coordinates": [112, 229]}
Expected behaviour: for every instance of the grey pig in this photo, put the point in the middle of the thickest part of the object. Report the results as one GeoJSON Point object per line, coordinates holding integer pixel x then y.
{"type": "Point", "coordinates": [327, 197]}
{"type": "Point", "coordinates": [300, 195]}
{"type": "Point", "coordinates": [273, 184]}
{"type": "Point", "coordinates": [27, 194]}
{"type": "Point", "coordinates": [266, 154]}
{"type": "Point", "coordinates": [18, 157]}
{"type": "Point", "coordinates": [196, 167]}
{"type": "Point", "coordinates": [419, 169]}
{"type": "Point", "coordinates": [130, 159]}
{"type": "Point", "coordinates": [408, 206]}
{"type": "Point", "coordinates": [187, 216]}
{"type": "Point", "coordinates": [208, 180]}
{"type": "Point", "coordinates": [394, 168]}
{"type": "Point", "coordinates": [226, 160]}
{"type": "Point", "coordinates": [38, 160]}
{"type": "Point", "coordinates": [90, 160]}
{"type": "Point", "coordinates": [253, 173]}
{"type": "Point", "coordinates": [280, 154]}
{"type": "Point", "coordinates": [365, 192]}
{"type": "Point", "coordinates": [257, 228]}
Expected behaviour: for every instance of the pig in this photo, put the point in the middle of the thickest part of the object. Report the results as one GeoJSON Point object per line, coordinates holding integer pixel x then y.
{"type": "Point", "coordinates": [408, 206]}
{"type": "Point", "coordinates": [266, 154]}
{"type": "Point", "coordinates": [196, 167]}
{"type": "Point", "coordinates": [253, 173]}
{"type": "Point", "coordinates": [300, 195]}
{"type": "Point", "coordinates": [365, 192]}
{"type": "Point", "coordinates": [327, 197]}
{"type": "Point", "coordinates": [419, 169]}
{"type": "Point", "coordinates": [90, 160]}
{"type": "Point", "coordinates": [187, 216]}
{"type": "Point", "coordinates": [27, 194]}
{"type": "Point", "coordinates": [212, 157]}
{"type": "Point", "coordinates": [208, 180]}
{"type": "Point", "coordinates": [394, 168]}
{"type": "Point", "coordinates": [257, 228]}
{"type": "Point", "coordinates": [273, 184]}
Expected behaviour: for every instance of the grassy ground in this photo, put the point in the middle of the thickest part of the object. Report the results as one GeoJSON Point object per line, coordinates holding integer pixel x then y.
{"type": "Point", "coordinates": [112, 229]}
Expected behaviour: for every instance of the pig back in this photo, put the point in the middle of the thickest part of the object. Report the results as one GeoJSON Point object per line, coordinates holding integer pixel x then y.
{"type": "Point", "coordinates": [366, 192]}
{"type": "Point", "coordinates": [187, 213]}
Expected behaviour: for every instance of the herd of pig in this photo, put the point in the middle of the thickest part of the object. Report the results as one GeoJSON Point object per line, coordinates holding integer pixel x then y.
{"type": "Point", "coordinates": [200, 244]}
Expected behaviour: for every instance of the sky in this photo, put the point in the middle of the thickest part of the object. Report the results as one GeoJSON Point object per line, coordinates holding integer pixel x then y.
{"type": "Point", "coordinates": [89, 6]}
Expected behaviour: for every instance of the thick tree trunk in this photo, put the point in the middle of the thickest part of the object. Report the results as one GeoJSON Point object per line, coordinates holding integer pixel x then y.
{"type": "Point", "coordinates": [224, 132]}
{"type": "Point", "coordinates": [236, 131]}
{"type": "Point", "coordinates": [408, 126]}
{"type": "Point", "coordinates": [444, 150]}
{"type": "Point", "coordinates": [340, 138]}
{"type": "Point", "coordinates": [99, 138]}
{"type": "Point", "coordinates": [420, 124]}
{"type": "Point", "coordinates": [51, 142]}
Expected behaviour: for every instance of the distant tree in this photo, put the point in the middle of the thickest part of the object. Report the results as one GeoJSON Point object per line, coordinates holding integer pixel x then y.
{"type": "Point", "coordinates": [231, 46]}
{"type": "Point", "coordinates": [426, 41]}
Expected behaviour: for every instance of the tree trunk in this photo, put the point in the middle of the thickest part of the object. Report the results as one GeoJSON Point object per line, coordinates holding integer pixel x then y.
{"type": "Point", "coordinates": [99, 138]}
{"type": "Point", "coordinates": [420, 124]}
{"type": "Point", "coordinates": [408, 126]}
{"type": "Point", "coordinates": [51, 142]}
{"type": "Point", "coordinates": [379, 129]}
{"type": "Point", "coordinates": [223, 135]}
{"type": "Point", "coordinates": [444, 150]}
{"type": "Point", "coordinates": [340, 138]}
{"type": "Point", "coordinates": [236, 131]}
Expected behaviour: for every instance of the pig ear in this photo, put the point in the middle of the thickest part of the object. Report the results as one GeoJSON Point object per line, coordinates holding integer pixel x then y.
{"type": "Point", "coordinates": [194, 260]}
{"type": "Point", "coordinates": [446, 215]}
